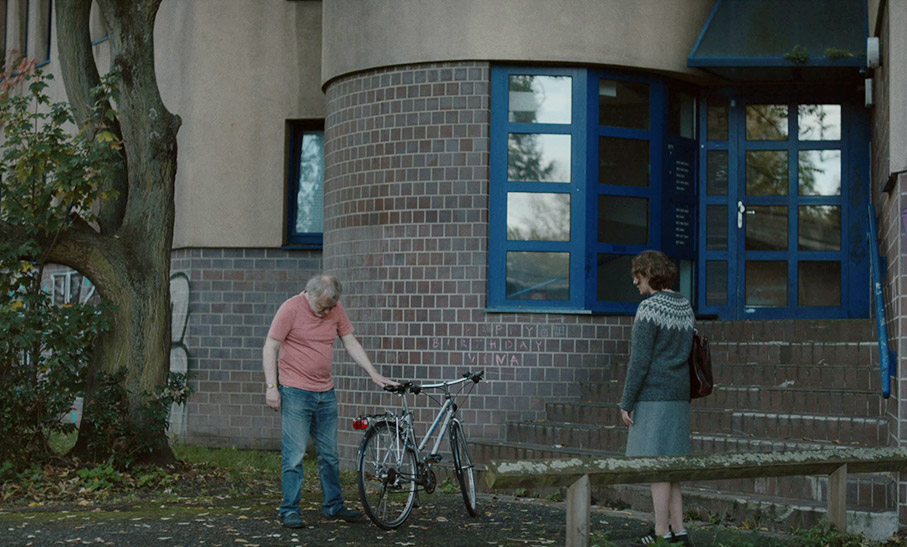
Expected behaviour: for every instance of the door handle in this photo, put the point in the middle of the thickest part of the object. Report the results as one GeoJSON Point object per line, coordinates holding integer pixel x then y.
{"type": "Point", "coordinates": [741, 208]}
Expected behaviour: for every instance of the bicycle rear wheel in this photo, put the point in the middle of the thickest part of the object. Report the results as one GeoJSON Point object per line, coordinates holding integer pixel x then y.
{"type": "Point", "coordinates": [463, 466]}
{"type": "Point", "coordinates": [387, 476]}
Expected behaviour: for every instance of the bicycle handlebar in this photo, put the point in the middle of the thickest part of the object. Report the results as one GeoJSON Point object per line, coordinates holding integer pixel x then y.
{"type": "Point", "coordinates": [410, 387]}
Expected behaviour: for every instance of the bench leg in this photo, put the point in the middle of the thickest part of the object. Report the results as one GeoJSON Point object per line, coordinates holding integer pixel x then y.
{"type": "Point", "coordinates": [837, 498]}
{"type": "Point", "coordinates": [579, 497]}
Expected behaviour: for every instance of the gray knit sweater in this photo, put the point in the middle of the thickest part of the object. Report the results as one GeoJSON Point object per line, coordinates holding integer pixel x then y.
{"type": "Point", "coordinates": [659, 347]}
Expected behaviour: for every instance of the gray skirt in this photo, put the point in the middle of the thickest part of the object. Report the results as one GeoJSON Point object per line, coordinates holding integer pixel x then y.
{"type": "Point", "coordinates": [660, 428]}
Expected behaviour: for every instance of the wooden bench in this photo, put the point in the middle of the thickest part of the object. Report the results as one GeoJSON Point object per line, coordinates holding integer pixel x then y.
{"type": "Point", "coordinates": [579, 474]}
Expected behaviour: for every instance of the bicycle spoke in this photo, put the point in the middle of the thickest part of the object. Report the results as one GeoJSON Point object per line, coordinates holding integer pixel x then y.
{"type": "Point", "coordinates": [385, 477]}
{"type": "Point", "coordinates": [463, 466]}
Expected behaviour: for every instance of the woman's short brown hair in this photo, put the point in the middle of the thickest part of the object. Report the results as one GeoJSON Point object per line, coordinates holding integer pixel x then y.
{"type": "Point", "coordinates": [657, 268]}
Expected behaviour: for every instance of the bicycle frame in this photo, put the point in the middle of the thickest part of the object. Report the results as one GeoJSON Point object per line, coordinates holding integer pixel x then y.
{"type": "Point", "coordinates": [445, 414]}
{"type": "Point", "coordinates": [391, 466]}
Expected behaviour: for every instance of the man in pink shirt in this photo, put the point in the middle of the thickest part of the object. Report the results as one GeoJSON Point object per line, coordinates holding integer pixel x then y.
{"type": "Point", "coordinates": [303, 332]}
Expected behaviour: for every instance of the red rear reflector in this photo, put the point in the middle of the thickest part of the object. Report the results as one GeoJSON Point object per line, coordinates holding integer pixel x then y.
{"type": "Point", "coordinates": [360, 423]}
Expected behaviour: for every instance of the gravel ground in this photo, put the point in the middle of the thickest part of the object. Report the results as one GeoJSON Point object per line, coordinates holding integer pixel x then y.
{"type": "Point", "coordinates": [441, 521]}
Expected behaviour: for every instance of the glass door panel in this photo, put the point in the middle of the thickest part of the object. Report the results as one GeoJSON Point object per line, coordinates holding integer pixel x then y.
{"type": "Point", "coordinates": [766, 228]}
{"type": "Point", "coordinates": [766, 173]}
{"type": "Point", "coordinates": [786, 254]}
{"type": "Point", "coordinates": [766, 283]}
{"type": "Point", "coordinates": [819, 283]}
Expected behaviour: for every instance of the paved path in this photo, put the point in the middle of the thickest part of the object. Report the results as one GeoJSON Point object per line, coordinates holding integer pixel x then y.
{"type": "Point", "coordinates": [441, 521]}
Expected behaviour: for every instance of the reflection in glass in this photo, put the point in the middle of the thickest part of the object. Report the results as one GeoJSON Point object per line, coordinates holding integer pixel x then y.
{"type": "Point", "coordinates": [716, 283]}
{"type": "Point", "coordinates": [819, 172]}
{"type": "Point", "coordinates": [615, 282]}
{"type": "Point", "coordinates": [539, 99]}
{"type": "Point", "coordinates": [310, 190]}
{"type": "Point", "coordinates": [766, 283]}
{"type": "Point", "coordinates": [623, 220]}
{"type": "Point", "coordinates": [538, 157]}
{"type": "Point", "coordinates": [623, 104]}
{"type": "Point", "coordinates": [819, 228]}
{"type": "Point", "coordinates": [717, 119]}
{"type": "Point", "coordinates": [538, 276]}
{"type": "Point", "coordinates": [716, 172]}
{"type": "Point", "coordinates": [538, 217]}
{"type": "Point", "coordinates": [624, 162]}
{"type": "Point", "coordinates": [766, 172]}
{"type": "Point", "coordinates": [766, 122]}
{"type": "Point", "coordinates": [766, 227]}
{"type": "Point", "coordinates": [819, 283]}
{"type": "Point", "coordinates": [819, 122]}
{"type": "Point", "coordinates": [716, 228]}
{"type": "Point", "coordinates": [682, 114]}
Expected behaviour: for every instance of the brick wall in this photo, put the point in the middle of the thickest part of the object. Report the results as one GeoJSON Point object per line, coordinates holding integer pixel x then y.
{"type": "Point", "coordinates": [889, 208]}
{"type": "Point", "coordinates": [406, 221]}
{"type": "Point", "coordinates": [233, 295]}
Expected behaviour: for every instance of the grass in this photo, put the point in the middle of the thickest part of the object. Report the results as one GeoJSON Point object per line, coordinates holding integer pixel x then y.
{"type": "Point", "coordinates": [237, 464]}
{"type": "Point", "coordinates": [202, 475]}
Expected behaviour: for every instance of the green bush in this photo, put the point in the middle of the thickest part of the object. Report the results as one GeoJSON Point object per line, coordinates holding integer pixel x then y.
{"type": "Point", "coordinates": [49, 178]}
{"type": "Point", "coordinates": [125, 441]}
{"type": "Point", "coordinates": [43, 359]}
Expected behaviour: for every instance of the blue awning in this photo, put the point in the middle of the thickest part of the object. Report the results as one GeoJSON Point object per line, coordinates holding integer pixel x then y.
{"type": "Point", "coordinates": [775, 40]}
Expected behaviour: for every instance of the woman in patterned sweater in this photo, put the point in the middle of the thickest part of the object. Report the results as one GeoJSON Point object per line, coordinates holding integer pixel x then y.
{"type": "Point", "coordinates": [656, 399]}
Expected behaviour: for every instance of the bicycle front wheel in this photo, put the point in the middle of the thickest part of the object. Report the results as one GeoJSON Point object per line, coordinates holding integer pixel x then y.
{"type": "Point", "coordinates": [463, 466]}
{"type": "Point", "coordinates": [386, 472]}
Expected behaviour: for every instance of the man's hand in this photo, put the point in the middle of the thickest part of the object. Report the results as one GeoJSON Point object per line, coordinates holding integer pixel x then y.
{"type": "Point", "coordinates": [272, 397]}
{"type": "Point", "coordinates": [382, 381]}
{"type": "Point", "coordinates": [625, 416]}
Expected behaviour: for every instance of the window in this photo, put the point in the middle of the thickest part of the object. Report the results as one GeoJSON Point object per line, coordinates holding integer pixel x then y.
{"type": "Point", "coordinates": [41, 14]}
{"type": "Point", "coordinates": [305, 187]}
{"type": "Point", "coordinates": [3, 24]}
{"type": "Point", "coordinates": [588, 168]}
{"type": "Point", "coordinates": [15, 31]}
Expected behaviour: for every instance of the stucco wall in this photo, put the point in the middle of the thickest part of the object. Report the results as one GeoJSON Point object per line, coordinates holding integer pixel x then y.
{"type": "Point", "coordinates": [649, 34]}
{"type": "Point", "coordinates": [895, 58]}
{"type": "Point", "coordinates": [235, 72]}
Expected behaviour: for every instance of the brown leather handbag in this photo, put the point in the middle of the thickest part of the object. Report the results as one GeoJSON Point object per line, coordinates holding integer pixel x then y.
{"type": "Point", "coordinates": [700, 360]}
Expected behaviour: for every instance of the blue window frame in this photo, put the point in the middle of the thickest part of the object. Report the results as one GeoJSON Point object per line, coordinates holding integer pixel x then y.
{"type": "Point", "coordinates": [782, 230]}
{"type": "Point", "coordinates": [305, 185]}
{"type": "Point", "coordinates": [586, 172]}
{"type": "Point", "coordinates": [41, 48]}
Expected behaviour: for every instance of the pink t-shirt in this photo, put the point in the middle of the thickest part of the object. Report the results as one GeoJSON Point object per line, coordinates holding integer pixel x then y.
{"type": "Point", "coordinates": [307, 343]}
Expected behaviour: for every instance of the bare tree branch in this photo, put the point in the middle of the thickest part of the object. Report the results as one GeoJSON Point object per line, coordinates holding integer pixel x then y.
{"type": "Point", "coordinates": [149, 129]}
{"type": "Point", "coordinates": [80, 76]}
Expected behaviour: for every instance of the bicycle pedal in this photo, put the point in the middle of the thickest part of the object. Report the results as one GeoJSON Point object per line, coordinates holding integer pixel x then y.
{"type": "Point", "coordinates": [433, 458]}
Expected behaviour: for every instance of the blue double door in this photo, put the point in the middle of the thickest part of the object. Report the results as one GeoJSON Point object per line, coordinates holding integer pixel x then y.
{"type": "Point", "coordinates": [783, 193]}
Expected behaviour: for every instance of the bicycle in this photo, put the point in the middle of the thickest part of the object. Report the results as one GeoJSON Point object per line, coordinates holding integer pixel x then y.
{"type": "Point", "coordinates": [390, 465]}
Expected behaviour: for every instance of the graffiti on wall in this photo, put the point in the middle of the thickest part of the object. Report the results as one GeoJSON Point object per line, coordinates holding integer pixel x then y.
{"type": "Point", "coordinates": [179, 354]}
{"type": "Point", "coordinates": [68, 286]}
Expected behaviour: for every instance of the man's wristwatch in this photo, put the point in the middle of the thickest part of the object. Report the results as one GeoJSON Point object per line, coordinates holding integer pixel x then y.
{"type": "Point", "coordinates": [271, 385]}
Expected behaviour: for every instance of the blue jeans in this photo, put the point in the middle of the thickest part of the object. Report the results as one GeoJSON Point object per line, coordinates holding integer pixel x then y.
{"type": "Point", "coordinates": [302, 413]}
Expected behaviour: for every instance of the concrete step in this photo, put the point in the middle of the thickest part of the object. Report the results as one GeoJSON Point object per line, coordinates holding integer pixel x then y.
{"type": "Point", "coordinates": [614, 439]}
{"type": "Point", "coordinates": [833, 402]}
{"type": "Point", "coordinates": [770, 372]}
{"type": "Point", "coordinates": [866, 431]}
{"type": "Point", "coordinates": [794, 330]}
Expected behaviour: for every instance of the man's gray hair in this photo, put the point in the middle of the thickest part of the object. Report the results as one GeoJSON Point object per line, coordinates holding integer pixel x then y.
{"type": "Point", "coordinates": [324, 286]}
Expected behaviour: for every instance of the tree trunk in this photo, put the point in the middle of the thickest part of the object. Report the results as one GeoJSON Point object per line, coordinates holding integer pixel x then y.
{"type": "Point", "coordinates": [127, 256]}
